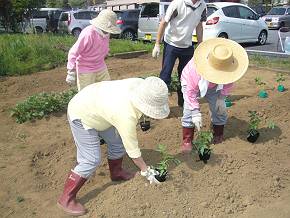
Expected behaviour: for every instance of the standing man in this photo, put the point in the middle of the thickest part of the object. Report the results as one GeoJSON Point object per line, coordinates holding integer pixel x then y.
{"type": "Point", "coordinates": [181, 18]}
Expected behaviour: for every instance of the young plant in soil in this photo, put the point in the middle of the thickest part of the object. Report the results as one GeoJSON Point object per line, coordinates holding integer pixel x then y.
{"type": "Point", "coordinates": [279, 79]}
{"type": "Point", "coordinates": [145, 124]}
{"type": "Point", "coordinates": [261, 84]}
{"type": "Point", "coordinates": [162, 166]}
{"type": "Point", "coordinates": [202, 145]}
{"type": "Point", "coordinates": [228, 102]}
{"type": "Point", "coordinates": [255, 120]}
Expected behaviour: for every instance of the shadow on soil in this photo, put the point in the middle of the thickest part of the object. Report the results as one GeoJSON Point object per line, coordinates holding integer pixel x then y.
{"type": "Point", "coordinates": [238, 128]}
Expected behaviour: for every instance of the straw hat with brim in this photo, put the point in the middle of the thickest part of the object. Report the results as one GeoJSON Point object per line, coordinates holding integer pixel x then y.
{"type": "Point", "coordinates": [106, 21]}
{"type": "Point", "coordinates": [221, 61]}
{"type": "Point", "coordinates": [151, 98]}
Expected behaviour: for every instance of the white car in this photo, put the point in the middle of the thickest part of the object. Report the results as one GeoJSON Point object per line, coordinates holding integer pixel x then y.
{"type": "Point", "coordinates": [234, 21]}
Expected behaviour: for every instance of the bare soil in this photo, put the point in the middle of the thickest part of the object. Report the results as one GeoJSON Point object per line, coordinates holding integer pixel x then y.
{"type": "Point", "coordinates": [240, 180]}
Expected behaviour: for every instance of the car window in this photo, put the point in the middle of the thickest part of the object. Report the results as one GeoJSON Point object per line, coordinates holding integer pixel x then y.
{"type": "Point", "coordinates": [150, 10]}
{"type": "Point", "coordinates": [277, 11]}
{"type": "Point", "coordinates": [288, 11]}
{"type": "Point", "coordinates": [64, 17]}
{"type": "Point", "coordinates": [133, 14]}
{"type": "Point", "coordinates": [85, 15]}
{"type": "Point", "coordinates": [40, 14]}
{"type": "Point", "coordinates": [94, 14]}
{"type": "Point", "coordinates": [246, 13]}
{"type": "Point", "coordinates": [231, 11]}
{"type": "Point", "coordinates": [210, 10]}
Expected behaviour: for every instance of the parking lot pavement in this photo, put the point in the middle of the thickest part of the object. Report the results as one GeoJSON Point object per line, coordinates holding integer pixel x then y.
{"type": "Point", "coordinates": [271, 44]}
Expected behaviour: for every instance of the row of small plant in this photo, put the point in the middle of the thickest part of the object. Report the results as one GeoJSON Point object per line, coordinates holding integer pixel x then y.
{"type": "Point", "coordinates": [262, 85]}
{"type": "Point", "coordinates": [41, 105]}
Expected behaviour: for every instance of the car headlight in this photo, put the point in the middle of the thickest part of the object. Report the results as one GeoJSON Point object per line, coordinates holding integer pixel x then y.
{"type": "Point", "coordinates": [275, 19]}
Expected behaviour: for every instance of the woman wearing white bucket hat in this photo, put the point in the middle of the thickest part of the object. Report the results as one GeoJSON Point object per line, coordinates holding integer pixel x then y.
{"type": "Point", "coordinates": [216, 64]}
{"type": "Point", "coordinates": [86, 59]}
{"type": "Point", "coordinates": [111, 110]}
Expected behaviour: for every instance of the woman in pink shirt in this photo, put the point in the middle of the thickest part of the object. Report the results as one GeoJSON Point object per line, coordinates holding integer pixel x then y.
{"type": "Point", "coordinates": [216, 64]}
{"type": "Point", "coordinates": [86, 58]}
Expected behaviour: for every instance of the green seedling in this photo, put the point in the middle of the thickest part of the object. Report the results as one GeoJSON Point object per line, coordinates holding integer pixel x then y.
{"type": "Point", "coordinates": [175, 83]}
{"type": "Point", "coordinates": [259, 82]}
{"type": "Point", "coordinates": [271, 125]}
{"type": "Point", "coordinates": [19, 199]}
{"type": "Point", "coordinates": [280, 79]}
{"type": "Point", "coordinates": [255, 120]}
{"type": "Point", "coordinates": [166, 158]}
{"type": "Point", "coordinates": [202, 144]}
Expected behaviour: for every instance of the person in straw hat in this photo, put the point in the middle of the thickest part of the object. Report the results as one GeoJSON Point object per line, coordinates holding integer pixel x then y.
{"type": "Point", "coordinates": [216, 64]}
{"type": "Point", "coordinates": [111, 110]}
{"type": "Point", "coordinates": [86, 58]}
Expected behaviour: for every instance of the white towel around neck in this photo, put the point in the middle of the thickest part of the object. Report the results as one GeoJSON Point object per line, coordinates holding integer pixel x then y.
{"type": "Point", "coordinates": [203, 86]}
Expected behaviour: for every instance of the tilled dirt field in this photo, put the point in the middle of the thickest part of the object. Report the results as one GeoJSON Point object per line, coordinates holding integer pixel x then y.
{"type": "Point", "coordinates": [241, 179]}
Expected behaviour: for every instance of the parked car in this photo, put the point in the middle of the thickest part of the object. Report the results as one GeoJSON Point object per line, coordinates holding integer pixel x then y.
{"type": "Point", "coordinates": [259, 9]}
{"type": "Point", "coordinates": [234, 21]}
{"type": "Point", "coordinates": [127, 20]}
{"type": "Point", "coordinates": [43, 20]}
{"type": "Point", "coordinates": [73, 22]}
{"type": "Point", "coordinates": [278, 17]}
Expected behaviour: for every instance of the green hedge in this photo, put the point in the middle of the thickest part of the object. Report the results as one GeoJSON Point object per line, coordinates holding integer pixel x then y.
{"type": "Point", "coordinates": [23, 54]}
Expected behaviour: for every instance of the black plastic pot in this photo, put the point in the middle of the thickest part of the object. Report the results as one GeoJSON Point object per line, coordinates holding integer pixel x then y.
{"type": "Point", "coordinates": [145, 125]}
{"type": "Point", "coordinates": [253, 135]}
{"type": "Point", "coordinates": [206, 155]}
{"type": "Point", "coordinates": [161, 178]}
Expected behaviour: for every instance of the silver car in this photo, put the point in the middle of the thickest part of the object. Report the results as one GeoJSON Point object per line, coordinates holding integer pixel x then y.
{"type": "Point", "coordinates": [278, 17]}
{"type": "Point", "coordinates": [73, 22]}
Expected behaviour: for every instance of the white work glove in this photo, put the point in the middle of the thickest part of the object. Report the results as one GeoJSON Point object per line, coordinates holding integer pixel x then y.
{"type": "Point", "coordinates": [220, 105]}
{"type": "Point", "coordinates": [150, 175]}
{"type": "Point", "coordinates": [71, 77]}
{"type": "Point", "coordinates": [156, 51]}
{"type": "Point", "coordinates": [196, 120]}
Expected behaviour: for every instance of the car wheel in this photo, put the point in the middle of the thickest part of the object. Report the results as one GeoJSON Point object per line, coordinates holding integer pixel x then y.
{"type": "Point", "coordinates": [262, 39]}
{"type": "Point", "coordinates": [223, 35]}
{"type": "Point", "coordinates": [38, 30]}
{"type": "Point", "coordinates": [128, 34]}
{"type": "Point", "coordinates": [282, 25]}
{"type": "Point", "coordinates": [76, 32]}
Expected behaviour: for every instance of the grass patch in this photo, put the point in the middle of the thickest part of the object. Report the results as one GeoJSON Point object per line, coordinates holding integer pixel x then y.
{"type": "Point", "coordinates": [270, 62]}
{"type": "Point", "coordinates": [40, 105]}
{"type": "Point", "coordinates": [24, 54]}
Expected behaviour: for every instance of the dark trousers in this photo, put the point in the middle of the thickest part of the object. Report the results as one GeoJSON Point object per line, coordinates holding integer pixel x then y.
{"type": "Point", "coordinates": [170, 54]}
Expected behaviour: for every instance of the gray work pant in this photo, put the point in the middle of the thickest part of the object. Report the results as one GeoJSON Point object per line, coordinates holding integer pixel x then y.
{"type": "Point", "coordinates": [211, 97]}
{"type": "Point", "coordinates": [88, 147]}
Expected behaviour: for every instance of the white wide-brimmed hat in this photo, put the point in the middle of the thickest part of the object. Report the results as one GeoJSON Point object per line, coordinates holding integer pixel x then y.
{"type": "Point", "coordinates": [151, 98]}
{"type": "Point", "coordinates": [220, 60]}
{"type": "Point", "coordinates": [106, 21]}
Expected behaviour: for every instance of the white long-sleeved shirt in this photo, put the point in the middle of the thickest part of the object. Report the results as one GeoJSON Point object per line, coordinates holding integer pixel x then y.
{"type": "Point", "coordinates": [105, 104]}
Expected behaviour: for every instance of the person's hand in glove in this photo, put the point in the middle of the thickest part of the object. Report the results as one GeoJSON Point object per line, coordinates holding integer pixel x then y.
{"type": "Point", "coordinates": [196, 119]}
{"type": "Point", "coordinates": [156, 51]}
{"type": "Point", "coordinates": [150, 175]}
{"type": "Point", "coordinates": [221, 105]}
{"type": "Point", "coordinates": [71, 77]}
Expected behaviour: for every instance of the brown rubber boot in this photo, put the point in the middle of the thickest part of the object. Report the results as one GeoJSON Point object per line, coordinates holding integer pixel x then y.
{"type": "Point", "coordinates": [218, 134]}
{"type": "Point", "coordinates": [186, 145]}
{"type": "Point", "coordinates": [67, 200]}
{"type": "Point", "coordinates": [117, 172]}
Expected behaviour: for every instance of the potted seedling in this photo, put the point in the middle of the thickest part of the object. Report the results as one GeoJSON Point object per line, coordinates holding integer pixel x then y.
{"type": "Point", "coordinates": [228, 102]}
{"type": "Point", "coordinates": [254, 123]}
{"type": "Point", "coordinates": [162, 166]}
{"type": "Point", "coordinates": [279, 79]}
{"type": "Point", "coordinates": [202, 145]}
{"type": "Point", "coordinates": [261, 84]}
{"type": "Point", "coordinates": [145, 124]}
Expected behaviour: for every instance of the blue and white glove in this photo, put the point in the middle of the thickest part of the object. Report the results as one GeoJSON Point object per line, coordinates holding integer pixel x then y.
{"type": "Point", "coordinates": [71, 77]}
{"type": "Point", "coordinates": [150, 175]}
{"type": "Point", "coordinates": [196, 119]}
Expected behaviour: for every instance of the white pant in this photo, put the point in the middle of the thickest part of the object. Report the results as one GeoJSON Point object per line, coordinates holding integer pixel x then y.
{"type": "Point", "coordinates": [88, 147]}
{"type": "Point", "coordinates": [211, 97]}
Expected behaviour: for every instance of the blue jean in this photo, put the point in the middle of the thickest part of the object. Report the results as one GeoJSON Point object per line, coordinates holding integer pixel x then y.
{"type": "Point", "coordinates": [170, 54]}
{"type": "Point", "coordinates": [88, 147]}
{"type": "Point", "coordinates": [211, 97]}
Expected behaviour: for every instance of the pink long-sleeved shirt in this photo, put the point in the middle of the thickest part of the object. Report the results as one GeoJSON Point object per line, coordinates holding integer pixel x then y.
{"type": "Point", "coordinates": [190, 78]}
{"type": "Point", "coordinates": [88, 54]}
